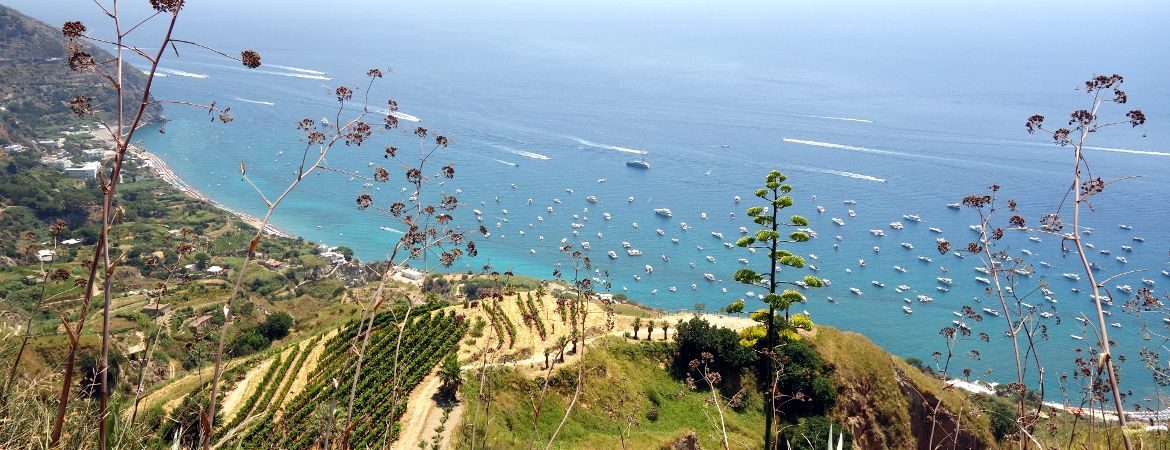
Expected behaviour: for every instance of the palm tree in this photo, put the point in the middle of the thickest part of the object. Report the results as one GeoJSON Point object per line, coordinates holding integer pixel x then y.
{"type": "Point", "coordinates": [637, 326]}
{"type": "Point", "coordinates": [450, 375]}
{"type": "Point", "coordinates": [665, 326]}
{"type": "Point", "coordinates": [649, 326]}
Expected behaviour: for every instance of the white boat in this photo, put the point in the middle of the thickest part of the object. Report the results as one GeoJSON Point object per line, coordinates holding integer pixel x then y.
{"type": "Point", "coordinates": [838, 221]}
{"type": "Point", "coordinates": [814, 268]}
{"type": "Point", "coordinates": [942, 289]}
{"type": "Point", "coordinates": [709, 277]}
{"type": "Point", "coordinates": [736, 199]}
{"type": "Point", "coordinates": [1121, 259]}
{"type": "Point", "coordinates": [983, 280]}
{"type": "Point", "coordinates": [925, 298]}
{"type": "Point", "coordinates": [912, 217]}
{"type": "Point", "coordinates": [630, 199]}
{"type": "Point", "coordinates": [585, 245]}
{"type": "Point", "coordinates": [1147, 282]}
{"type": "Point", "coordinates": [983, 270]}
{"type": "Point", "coordinates": [1125, 289]}
{"type": "Point", "coordinates": [649, 269]}
{"type": "Point", "coordinates": [626, 244]}
{"type": "Point", "coordinates": [820, 209]}
{"type": "Point", "coordinates": [664, 212]}
{"type": "Point", "coordinates": [743, 261]}
{"type": "Point", "coordinates": [1026, 252]}
{"type": "Point", "coordinates": [896, 225]}
{"type": "Point", "coordinates": [634, 252]}
{"type": "Point", "coordinates": [591, 199]}
{"type": "Point", "coordinates": [710, 258]}
{"type": "Point", "coordinates": [660, 232]}
{"type": "Point", "coordinates": [902, 288]}
{"type": "Point", "coordinates": [1115, 324]}
{"type": "Point", "coordinates": [601, 180]}
{"type": "Point", "coordinates": [877, 232]}
{"type": "Point", "coordinates": [900, 269]}
{"type": "Point", "coordinates": [876, 249]}
{"type": "Point", "coordinates": [703, 215]}
{"type": "Point", "coordinates": [717, 234]}
{"type": "Point", "coordinates": [855, 291]}
{"type": "Point", "coordinates": [1126, 248]}
{"type": "Point", "coordinates": [935, 230]}
{"type": "Point", "coordinates": [1046, 314]}
{"type": "Point", "coordinates": [878, 283]}
{"type": "Point", "coordinates": [684, 226]}
{"type": "Point", "coordinates": [908, 245]}
{"type": "Point", "coordinates": [946, 281]}
{"type": "Point", "coordinates": [1034, 239]}
{"type": "Point", "coordinates": [850, 202]}
{"type": "Point", "coordinates": [991, 311]}
{"type": "Point", "coordinates": [851, 213]}
{"type": "Point", "coordinates": [975, 228]}
{"type": "Point", "coordinates": [1139, 239]}
{"type": "Point", "coordinates": [925, 259]}
{"type": "Point", "coordinates": [1125, 227]}
{"type": "Point", "coordinates": [674, 240]}
{"type": "Point", "coordinates": [907, 310]}
{"type": "Point", "coordinates": [954, 205]}
{"type": "Point", "coordinates": [612, 254]}
{"type": "Point", "coordinates": [1079, 338]}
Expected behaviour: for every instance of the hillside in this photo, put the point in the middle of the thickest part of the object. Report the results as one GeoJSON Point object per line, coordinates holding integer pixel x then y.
{"type": "Point", "coordinates": [38, 81]}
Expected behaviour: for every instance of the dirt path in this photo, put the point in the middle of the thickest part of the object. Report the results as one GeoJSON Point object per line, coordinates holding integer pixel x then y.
{"type": "Point", "coordinates": [231, 401]}
{"type": "Point", "coordinates": [422, 414]}
{"type": "Point", "coordinates": [302, 377]}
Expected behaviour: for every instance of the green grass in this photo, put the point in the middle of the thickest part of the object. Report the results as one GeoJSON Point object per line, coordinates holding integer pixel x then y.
{"type": "Point", "coordinates": [614, 370]}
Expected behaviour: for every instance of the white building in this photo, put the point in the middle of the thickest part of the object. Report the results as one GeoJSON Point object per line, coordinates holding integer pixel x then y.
{"type": "Point", "coordinates": [46, 255]}
{"type": "Point", "coordinates": [57, 163]}
{"type": "Point", "coordinates": [14, 148]}
{"type": "Point", "coordinates": [96, 154]}
{"type": "Point", "coordinates": [87, 171]}
{"type": "Point", "coordinates": [71, 242]}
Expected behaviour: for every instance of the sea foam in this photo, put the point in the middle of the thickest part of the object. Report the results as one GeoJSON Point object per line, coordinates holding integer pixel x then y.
{"type": "Point", "coordinates": [608, 147]}
{"type": "Point", "coordinates": [181, 73]}
{"type": "Point", "coordinates": [846, 119]}
{"type": "Point", "coordinates": [520, 152]}
{"type": "Point", "coordinates": [258, 102]}
{"type": "Point", "coordinates": [296, 69]}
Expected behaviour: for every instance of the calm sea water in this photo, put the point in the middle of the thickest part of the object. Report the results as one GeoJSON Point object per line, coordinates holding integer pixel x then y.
{"type": "Point", "coordinates": [902, 109]}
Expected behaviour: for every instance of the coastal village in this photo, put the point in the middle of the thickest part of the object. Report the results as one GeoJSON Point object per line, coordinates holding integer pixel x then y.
{"type": "Point", "coordinates": [140, 312]}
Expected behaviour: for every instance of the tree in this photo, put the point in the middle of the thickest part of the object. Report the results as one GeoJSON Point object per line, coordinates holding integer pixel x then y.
{"type": "Point", "coordinates": [132, 109]}
{"type": "Point", "coordinates": [1086, 122]}
{"type": "Point", "coordinates": [276, 326]}
{"type": "Point", "coordinates": [451, 375]}
{"type": "Point", "coordinates": [665, 326]}
{"type": "Point", "coordinates": [768, 238]}
{"type": "Point", "coordinates": [345, 251]}
{"type": "Point", "coordinates": [650, 329]}
{"type": "Point", "coordinates": [637, 326]}
{"type": "Point", "coordinates": [698, 336]}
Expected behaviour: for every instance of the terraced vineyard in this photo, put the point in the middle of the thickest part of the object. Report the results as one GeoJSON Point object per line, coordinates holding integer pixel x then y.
{"type": "Point", "coordinates": [428, 338]}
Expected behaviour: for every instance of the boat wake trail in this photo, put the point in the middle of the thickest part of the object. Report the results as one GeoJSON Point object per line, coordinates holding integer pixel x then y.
{"type": "Point", "coordinates": [505, 162]}
{"type": "Point", "coordinates": [399, 114]}
{"type": "Point", "coordinates": [608, 147]}
{"type": "Point", "coordinates": [296, 75]}
{"type": "Point", "coordinates": [846, 119]}
{"type": "Point", "coordinates": [181, 73]}
{"type": "Point", "coordinates": [841, 173]}
{"type": "Point", "coordinates": [855, 148]}
{"type": "Point", "coordinates": [1127, 150]}
{"type": "Point", "coordinates": [297, 69]}
{"type": "Point", "coordinates": [520, 152]}
{"type": "Point", "coordinates": [258, 102]}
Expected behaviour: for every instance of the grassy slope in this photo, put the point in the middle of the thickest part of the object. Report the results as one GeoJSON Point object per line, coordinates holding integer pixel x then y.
{"type": "Point", "coordinates": [615, 368]}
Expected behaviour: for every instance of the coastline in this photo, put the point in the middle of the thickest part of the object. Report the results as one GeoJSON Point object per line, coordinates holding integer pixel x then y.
{"type": "Point", "coordinates": [164, 172]}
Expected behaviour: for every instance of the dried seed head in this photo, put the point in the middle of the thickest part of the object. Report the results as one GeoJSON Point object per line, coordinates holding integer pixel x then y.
{"type": "Point", "coordinates": [250, 58]}
{"type": "Point", "coordinates": [374, 73]}
{"type": "Point", "coordinates": [73, 29]}
{"type": "Point", "coordinates": [343, 93]}
{"type": "Point", "coordinates": [81, 105]}
{"type": "Point", "coordinates": [171, 6]}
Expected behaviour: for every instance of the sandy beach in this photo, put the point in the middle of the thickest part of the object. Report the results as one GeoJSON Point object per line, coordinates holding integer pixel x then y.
{"type": "Point", "coordinates": [164, 172]}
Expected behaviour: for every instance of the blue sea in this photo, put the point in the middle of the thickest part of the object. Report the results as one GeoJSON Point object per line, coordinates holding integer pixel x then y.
{"type": "Point", "coordinates": [900, 107]}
